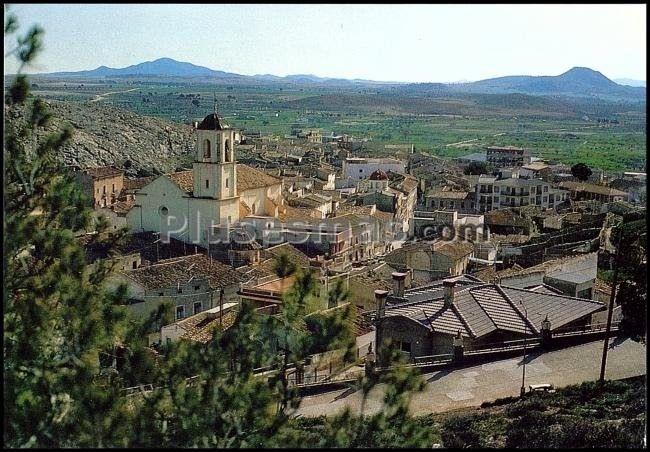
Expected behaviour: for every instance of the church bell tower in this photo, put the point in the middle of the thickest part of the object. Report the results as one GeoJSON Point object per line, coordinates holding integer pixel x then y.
{"type": "Point", "coordinates": [214, 168]}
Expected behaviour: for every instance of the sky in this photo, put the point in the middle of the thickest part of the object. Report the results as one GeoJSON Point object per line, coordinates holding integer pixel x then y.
{"type": "Point", "coordinates": [406, 43]}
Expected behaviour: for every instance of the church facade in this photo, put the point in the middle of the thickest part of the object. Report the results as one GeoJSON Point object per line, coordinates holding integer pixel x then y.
{"type": "Point", "coordinates": [198, 205]}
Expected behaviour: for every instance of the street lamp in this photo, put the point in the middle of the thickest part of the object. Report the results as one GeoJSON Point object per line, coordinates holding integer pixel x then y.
{"type": "Point", "coordinates": [523, 374]}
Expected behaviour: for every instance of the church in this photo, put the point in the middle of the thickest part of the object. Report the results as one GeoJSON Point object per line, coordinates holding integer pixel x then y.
{"type": "Point", "coordinates": [197, 205]}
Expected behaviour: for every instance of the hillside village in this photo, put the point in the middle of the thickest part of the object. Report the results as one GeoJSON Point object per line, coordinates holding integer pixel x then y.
{"type": "Point", "coordinates": [492, 247]}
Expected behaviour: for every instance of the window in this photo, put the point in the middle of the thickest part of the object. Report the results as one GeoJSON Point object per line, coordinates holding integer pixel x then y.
{"type": "Point", "coordinates": [180, 312]}
{"type": "Point", "coordinates": [545, 188]}
{"type": "Point", "coordinates": [104, 189]}
{"type": "Point", "coordinates": [113, 188]}
{"type": "Point", "coordinates": [361, 170]}
{"type": "Point", "coordinates": [197, 288]}
{"type": "Point", "coordinates": [179, 290]}
{"type": "Point", "coordinates": [163, 211]}
{"type": "Point", "coordinates": [226, 182]}
{"type": "Point", "coordinates": [160, 294]}
{"type": "Point", "coordinates": [135, 264]}
{"type": "Point", "coordinates": [197, 307]}
{"type": "Point", "coordinates": [206, 149]}
{"type": "Point", "coordinates": [228, 159]}
{"type": "Point", "coordinates": [496, 189]}
{"type": "Point", "coordinates": [229, 219]}
{"type": "Point", "coordinates": [405, 347]}
{"type": "Point", "coordinates": [207, 183]}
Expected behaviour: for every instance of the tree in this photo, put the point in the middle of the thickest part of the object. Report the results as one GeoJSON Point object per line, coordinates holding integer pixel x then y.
{"type": "Point", "coordinates": [476, 168]}
{"type": "Point", "coordinates": [283, 265]}
{"type": "Point", "coordinates": [58, 318]}
{"type": "Point", "coordinates": [581, 171]}
{"type": "Point", "coordinates": [632, 291]}
{"type": "Point", "coordinates": [61, 323]}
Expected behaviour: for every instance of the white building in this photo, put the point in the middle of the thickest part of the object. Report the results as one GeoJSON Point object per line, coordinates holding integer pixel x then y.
{"type": "Point", "coordinates": [193, 205]}
{"type": "Point", "coordinates": [359, 168]}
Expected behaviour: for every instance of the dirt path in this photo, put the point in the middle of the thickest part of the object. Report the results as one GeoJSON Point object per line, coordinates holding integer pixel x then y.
{"type": "Point", "coordinates": [101, 96]}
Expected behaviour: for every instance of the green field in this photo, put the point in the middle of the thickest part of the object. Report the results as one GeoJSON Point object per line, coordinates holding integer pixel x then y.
{"type": "Point", "coordinates": [451, 127]}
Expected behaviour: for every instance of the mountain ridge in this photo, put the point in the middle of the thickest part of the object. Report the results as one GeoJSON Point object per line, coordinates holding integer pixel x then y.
{"type": "Point", "coordinates": [577, 81]}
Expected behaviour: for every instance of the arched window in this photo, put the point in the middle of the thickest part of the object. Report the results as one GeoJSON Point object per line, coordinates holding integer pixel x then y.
{"type": "Point", "coordinates": [227, 147]}
{"type": "Point", "coordinates": [206, 149]}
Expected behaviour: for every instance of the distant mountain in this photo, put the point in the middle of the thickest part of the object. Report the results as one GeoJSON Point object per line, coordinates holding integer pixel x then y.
{"type": "Point", "coordinates": [578, 81]}
{"type": "Point", "coordinates": [160, 67]}
{"type": "Point", "coordinates": [630, 82]}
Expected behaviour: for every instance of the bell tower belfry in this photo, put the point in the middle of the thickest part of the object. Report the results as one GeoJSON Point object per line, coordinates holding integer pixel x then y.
{"type": "Point", "coordinates": [214, 169]}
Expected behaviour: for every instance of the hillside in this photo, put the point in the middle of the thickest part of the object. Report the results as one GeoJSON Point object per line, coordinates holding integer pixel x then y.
{"type": "Point", "coordinates": [105, 135]}
{"type": "Point", "coordinates": [578, 81]}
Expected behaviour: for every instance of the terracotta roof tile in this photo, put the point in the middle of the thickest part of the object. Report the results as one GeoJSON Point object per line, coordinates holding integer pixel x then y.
{"type": "Point", "coordinates": [103, 172]}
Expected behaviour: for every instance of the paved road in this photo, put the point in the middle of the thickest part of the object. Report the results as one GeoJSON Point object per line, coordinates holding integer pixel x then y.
{"type": "Point", "coordinates": [451, 389]}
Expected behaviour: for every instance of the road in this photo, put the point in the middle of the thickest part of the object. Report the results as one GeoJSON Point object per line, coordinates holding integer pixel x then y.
{"type": "Point", "coordinates": [101, 96]}
{"type": "Point", "coordinates": [451, 389]}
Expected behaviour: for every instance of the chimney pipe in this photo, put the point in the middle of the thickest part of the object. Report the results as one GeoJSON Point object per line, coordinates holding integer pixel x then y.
{"type": "Point", "coordinates": [380, 300]}
{"type": "Point", "coordinates": [448, 291]}
{"type": "Point", "coordinates": [398, 284]}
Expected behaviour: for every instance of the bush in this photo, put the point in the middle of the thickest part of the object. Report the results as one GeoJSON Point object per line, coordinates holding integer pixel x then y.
{"type": "Point", "coordinates": [522, 407]}
{"type": "Point", "coordinates": [459, 432]}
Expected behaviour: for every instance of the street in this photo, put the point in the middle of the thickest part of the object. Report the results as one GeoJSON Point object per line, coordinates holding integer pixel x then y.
{"type": "Point", "coordinates": [450, 389]}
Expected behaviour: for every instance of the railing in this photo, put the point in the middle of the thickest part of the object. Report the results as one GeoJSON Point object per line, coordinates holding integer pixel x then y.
{"type": "Point", "coordinates": [137, 389]}
{"type": "Point", "coordinates": [433, 359]}
{"type": "Point", "coordinates": [503, 346]}
{"type": "Point", "coordinates": [585, 329]}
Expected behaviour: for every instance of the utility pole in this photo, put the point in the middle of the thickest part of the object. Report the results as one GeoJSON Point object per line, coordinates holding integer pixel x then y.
{"type": "Point", "coordinates": [522, 391]}
{"type": "Point", "coordinates": [610, 308]}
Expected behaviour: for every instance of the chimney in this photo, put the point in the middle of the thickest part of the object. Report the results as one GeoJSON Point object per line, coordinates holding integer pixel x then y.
{"type": "Point", "coordinates": [398, 284]}
{"type": "Point", "coordinates": [448, 286]}
{"type": "Point", "coordinates": [380, 300]}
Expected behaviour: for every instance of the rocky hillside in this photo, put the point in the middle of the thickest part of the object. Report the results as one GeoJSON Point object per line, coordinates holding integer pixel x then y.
{"type": "Point", "coordinates": [106, 135]}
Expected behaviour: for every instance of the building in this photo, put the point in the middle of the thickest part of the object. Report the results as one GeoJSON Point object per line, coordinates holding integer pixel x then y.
{"type": "Point", "coordinates": [428, 261]}
{"type": "Point", "coordinates": [102, 185]}
{"type": "Point", "coordinates": [581, 191]}
{"type": "Point", "coordinates": [535, 170]}
{"type": "Point", "coordinates": [459, 201]}
{"type": "Point", "coordinates": [191, 284]}
{"type": "Point", "coordinates": [424, 321]}
{"type": "Point", "coordinates": [198, 205]}
{"type": "Point", "coordinates": [505, 156]}
{"type": "Point", "coordinates": [359, 168]}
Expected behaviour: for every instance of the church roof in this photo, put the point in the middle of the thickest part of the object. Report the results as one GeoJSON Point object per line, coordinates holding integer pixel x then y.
{"type": "Point", "coordinates": [213, 122]}
{"type": "Point", "coordinates": [248, 178]}
{"type": "Point", "coordinates": [379, 175]}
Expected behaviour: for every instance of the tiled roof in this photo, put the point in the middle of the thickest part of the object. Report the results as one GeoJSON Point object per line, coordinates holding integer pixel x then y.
{"type": "Point", "coordinates": [137, 183]}
{"type": "Point", "coordinates": [479, 309]}
{"type": "Point", "coordinates": [169, 272]}
{"type": "Point", "coordinates": [455, 249]}
{"type": "Point", "coordinates": [448, 194]}
{"type": "Point", "coordinates": [103, 172]}
{"type": "Point", "coordinates": [184, 180]}
{"type": "Point", "coordinates": [122, 207]}
{"type": "Point", "coordinates": [200, 327]}
{"type": "Point", "coordinates": [248, 178]}
{"type": "Point", "coordinates": [298, 213]}
{"type": "Point", "coordinates": [592, 188]}
{"type": "Point", "coordinates": [244, 210]}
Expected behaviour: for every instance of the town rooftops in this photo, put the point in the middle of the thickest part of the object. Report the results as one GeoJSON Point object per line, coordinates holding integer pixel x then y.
{"type": "Point", "coordinates": [536, 166]}
{"type": "Point", "coordinates": [103, 172]}
{"type": "Point", "coordinates": [137, 183]}
{"type": "Point", "coordinates": [170, 272]}
{"type": "Point", "coordinates": [479, 309]}
{"type": "Point", "coordinates": [448, 194]}
{"type": "Point", "coordinates": [200, 327]}
{"type": "Point", "coordinates": [591, 188]}
{"type": "Point", "coordinates": [505, 148]}
{"type": "Point", "coordinates": [248, 178]}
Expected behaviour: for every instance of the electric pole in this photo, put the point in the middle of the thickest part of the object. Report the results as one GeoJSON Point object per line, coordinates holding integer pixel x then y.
{"type": "Point", "coordinates": [610, 308]}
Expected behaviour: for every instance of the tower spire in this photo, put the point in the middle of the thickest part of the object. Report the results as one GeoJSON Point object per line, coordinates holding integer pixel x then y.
{"type": "Point", "coordinates": [215, 103]}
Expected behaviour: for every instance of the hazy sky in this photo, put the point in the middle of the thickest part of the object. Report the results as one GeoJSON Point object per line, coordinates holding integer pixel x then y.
{"type": "Point", "coordinates": [419, 43]}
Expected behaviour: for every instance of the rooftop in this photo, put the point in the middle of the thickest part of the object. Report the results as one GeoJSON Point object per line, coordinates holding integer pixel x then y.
{"type": "Point", "coordinates": [169, 272]}
{"type": "Point", "coordinates": [479, 309]}
{"type": "Point", "coordinates": [103, 172]}
{"type": "Point", "coordinates": [591, 188]}
{"type": "Point", "coordinates": [248, 178]}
